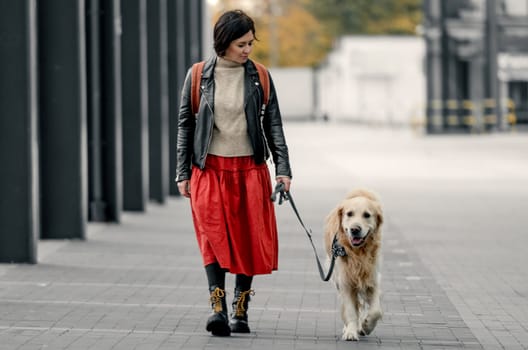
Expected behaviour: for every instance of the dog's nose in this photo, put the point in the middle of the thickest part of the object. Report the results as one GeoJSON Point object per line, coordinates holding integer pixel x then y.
{"type": "Point", "coordinates": [354, 231]}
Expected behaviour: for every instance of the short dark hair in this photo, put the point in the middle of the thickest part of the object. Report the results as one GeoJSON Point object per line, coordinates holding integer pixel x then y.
{"type": "Point", "coordinates": [230, 26]}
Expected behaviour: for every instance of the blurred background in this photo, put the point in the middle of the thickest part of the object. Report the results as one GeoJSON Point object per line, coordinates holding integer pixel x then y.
{"type": "Point", "coordinates": [89, 89]}
{"type": "Point", "coordinates": [446, 66]}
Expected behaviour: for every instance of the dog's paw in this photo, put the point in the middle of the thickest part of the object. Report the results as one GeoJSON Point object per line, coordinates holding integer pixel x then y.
{"type": "Point", "coordinates": [350, 333]}
{"type": "Point", "coordinates": [370, 323]}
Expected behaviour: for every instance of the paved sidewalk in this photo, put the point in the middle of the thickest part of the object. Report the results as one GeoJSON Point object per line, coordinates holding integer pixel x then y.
{"type": "Point", "coordinates": [140, 284]}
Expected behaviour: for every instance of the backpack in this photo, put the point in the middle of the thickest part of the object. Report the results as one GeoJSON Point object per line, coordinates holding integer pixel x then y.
{"type": "Point", "coordinates": [196, 74]}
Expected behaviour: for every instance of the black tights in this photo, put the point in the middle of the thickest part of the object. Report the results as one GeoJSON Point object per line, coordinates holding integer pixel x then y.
{"type": "Point", "coordinates": [216, 277]}
{"type": "Point", "coordinates": [243, 282]}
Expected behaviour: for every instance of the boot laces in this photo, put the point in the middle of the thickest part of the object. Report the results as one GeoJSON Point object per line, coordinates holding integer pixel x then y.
{"type": "Point", "coordinates": [240, 309]}
{"type": "Point", "coordinates": [216, 299]}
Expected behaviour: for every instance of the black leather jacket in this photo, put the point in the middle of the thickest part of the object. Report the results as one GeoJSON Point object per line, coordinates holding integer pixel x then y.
{"type": "Point", "coordinates": [195, 132]}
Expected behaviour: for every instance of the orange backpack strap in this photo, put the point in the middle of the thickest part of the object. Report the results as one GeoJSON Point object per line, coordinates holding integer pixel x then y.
{"type": "Point", "coordinates": [196, 75]}
{"type": "Point", "coordinates": [264, 80]}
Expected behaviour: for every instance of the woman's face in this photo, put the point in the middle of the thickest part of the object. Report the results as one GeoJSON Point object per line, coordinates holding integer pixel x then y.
{"type": "Point", "coordinates": [239, 49]}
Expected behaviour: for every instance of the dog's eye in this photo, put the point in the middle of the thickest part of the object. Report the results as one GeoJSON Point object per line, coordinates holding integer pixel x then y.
{"type": "Point", "coordinates": [350, 213]}
{"type": "Point", "coordinates": [366, 215]}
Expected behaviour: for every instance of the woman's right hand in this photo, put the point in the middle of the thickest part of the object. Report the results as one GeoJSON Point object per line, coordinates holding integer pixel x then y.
{"type": "Point", "coordinates": [185, 188]}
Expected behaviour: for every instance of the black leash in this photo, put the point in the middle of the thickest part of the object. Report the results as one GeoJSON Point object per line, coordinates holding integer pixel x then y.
{"type": "Point", "coordinates": [337, 249]}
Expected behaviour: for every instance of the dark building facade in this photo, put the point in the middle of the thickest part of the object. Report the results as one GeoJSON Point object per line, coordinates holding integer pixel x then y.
{"type": "Point", "coordinates": [89, 94]}
{"type": "Point", "coordinates": [476, 65]}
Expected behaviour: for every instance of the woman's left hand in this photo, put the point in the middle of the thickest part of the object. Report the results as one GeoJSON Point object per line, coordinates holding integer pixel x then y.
{"type": "Point", "coordinates": [285, 180]}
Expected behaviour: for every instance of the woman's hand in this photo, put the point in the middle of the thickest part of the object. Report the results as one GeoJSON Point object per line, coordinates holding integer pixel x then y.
{"type": "Point", "coordinates": [284, 180]}
{"type": "Point", "coordinates": [185, 188]}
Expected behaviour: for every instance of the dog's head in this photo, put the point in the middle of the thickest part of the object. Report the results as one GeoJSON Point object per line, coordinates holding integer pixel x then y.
{"type": "Point", "coordinates": [358, 217]}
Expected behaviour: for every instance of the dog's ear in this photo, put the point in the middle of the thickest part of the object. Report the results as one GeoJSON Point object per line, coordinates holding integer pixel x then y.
{"type": "Point", "coordinates": [379, 214]}
{"type": "Point", "coordinates": [333, 220]}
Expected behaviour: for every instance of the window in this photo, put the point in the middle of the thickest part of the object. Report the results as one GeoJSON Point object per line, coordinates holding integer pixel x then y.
{"type": "Point", "coordinates": [514, 8]}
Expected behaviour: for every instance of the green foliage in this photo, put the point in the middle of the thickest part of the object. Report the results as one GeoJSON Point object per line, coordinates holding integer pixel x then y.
{"type": "Point", "coordinates": [368, 16]}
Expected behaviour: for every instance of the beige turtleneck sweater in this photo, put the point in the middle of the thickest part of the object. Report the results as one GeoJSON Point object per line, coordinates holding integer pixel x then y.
{"type": "Point", "coordinates": [230, 136]}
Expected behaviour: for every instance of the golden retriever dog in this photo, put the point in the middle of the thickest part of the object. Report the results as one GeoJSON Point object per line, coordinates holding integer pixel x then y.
{"type": "Point", "coordinates": [357, 222]}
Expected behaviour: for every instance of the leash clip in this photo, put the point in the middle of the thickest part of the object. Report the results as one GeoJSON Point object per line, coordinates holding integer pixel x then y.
{"type": "Point", "coordinates": [337, 249]}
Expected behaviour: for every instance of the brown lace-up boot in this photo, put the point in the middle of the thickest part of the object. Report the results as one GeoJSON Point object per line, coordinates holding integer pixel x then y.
{"type": "Point", "coordinates": [218, 322]}
{"type": "Point", "coordinates": [239, 318]}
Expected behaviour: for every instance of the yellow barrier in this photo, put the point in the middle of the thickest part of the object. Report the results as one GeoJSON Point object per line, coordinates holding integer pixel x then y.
{"type": "Point", "coordinates": [511, 116]}
{"type": "Point", "coordinates": [462, 112]}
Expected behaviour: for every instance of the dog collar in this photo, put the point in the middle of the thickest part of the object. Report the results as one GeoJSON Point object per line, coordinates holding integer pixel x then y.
{"type": "Point", "coordinates": [337, 249]}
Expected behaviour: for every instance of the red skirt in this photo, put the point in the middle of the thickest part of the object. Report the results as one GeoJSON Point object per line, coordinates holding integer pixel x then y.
{"type": "Point", "coordinates": [233, 215]}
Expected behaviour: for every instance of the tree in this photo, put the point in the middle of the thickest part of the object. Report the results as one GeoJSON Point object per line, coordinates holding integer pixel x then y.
{"type": "Point", "coordinates": [368, 16]}
{"type": "Point", "coordinates": [300, 38]}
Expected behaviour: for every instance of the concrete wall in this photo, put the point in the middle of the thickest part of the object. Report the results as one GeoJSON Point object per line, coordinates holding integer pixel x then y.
{"type": "Point", "coordinates": [374, 80]}
{"type": "Point", "coordinates": [295, 91]}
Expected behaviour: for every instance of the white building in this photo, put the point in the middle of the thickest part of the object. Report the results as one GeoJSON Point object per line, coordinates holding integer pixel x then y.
{"type": "Point", "coordinates": [373, 80]}
{"type": "Point", "coordinates": [295, 92]}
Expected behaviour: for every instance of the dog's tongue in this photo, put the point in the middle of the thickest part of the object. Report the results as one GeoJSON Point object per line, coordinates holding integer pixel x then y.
{"type": "Point", "coordinates": [356, 240]}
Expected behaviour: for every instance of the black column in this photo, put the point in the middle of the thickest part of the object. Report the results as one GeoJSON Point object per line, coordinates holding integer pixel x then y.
{"type": "Point", "coordinates": [104, 110]}
{"type": "Point", "coordinates": [195, 25]}
{"type": "Point", "coordinates": [19, 206]}
{"type": "Point", "coordinates": [492, 91]}
{"type": "Point", "coordinates": [96, 200]}
{"type": "Point", "coordinates": [178, 65]}
{"type": "Point", "coordinates": [186, 20]}
{"type": "Point", "coordinates": [434, 36]}
{"type": "Point", "coordinates": [158, 100]}
{"type": "Point", "coordinates": [135, 105]}
{"type": "Point", "coordinates": [185, 47]}
{"type": "Point", "coordinates": [62, 102]}
{"type": "Point", "coordinates": [111, 110]}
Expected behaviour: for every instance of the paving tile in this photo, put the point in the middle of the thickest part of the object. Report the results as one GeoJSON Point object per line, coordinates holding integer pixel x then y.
{"type": "Point", "coordinates": [140, 284]}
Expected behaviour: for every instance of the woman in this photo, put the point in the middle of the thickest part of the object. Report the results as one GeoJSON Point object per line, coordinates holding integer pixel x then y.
{"type": "Point", "coordinates": [221, 167]}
